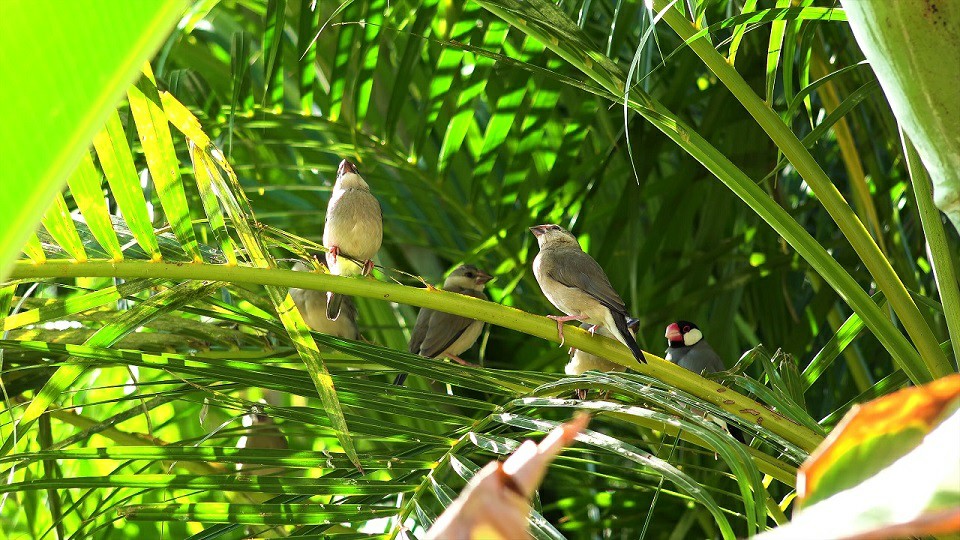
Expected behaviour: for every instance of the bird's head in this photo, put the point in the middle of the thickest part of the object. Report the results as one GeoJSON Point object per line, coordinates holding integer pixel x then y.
{"type": "Point", "coordinates": [467, 276]}
{"type": "Point", "coordinates": [348, 176]}
{"type": "Point", "coordinates": [683, 334]}
{"type": "Point", "coordinates": [553, 236]}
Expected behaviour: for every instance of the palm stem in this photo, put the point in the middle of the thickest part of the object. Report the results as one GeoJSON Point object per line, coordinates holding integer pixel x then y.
{"type": "Point", "coordinates": [456, 304]}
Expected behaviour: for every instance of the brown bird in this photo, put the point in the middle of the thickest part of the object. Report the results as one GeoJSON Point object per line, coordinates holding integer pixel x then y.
{"type": "Point", "coordinates": [577, 286]}
{"type": "Point", "coordinates": [313, 307]}
{"type": "Point", "coordinates": [353, 229]}
{"type": "Point", "coordinates": [437, 334]}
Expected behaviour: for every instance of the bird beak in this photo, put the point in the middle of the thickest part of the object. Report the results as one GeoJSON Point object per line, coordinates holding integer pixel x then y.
{"type": "Point", "coordinates": [673, 333]}
{"type": "Point", "coordinates": [347, 167]}
{"type": "Point", "coordinates": [483, 278]}
{"type": "Point", "coordinates": [538, 230]}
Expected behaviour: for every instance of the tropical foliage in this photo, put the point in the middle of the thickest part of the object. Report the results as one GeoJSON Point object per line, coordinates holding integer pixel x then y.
{"type": "Point", "coordinates": [704, 152]}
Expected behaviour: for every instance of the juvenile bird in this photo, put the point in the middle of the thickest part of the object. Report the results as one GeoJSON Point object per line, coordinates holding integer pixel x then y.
{"type": "Point", "coordinates": [437, 334]}
{"type": "Point", "coordinates": [687, 349]}
{"type": "Point", "coordinates": [313, 307]}
{"type": "Point", "coordinates": [353, 228]}
{"type": "Point", "coordinates": [577, 286]}
{"type": "Point", "coordinates": [582, 361]}
{"type": "Point", "coordinates": [264, 434]}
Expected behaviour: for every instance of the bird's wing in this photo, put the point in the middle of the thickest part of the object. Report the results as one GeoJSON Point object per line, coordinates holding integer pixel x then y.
{"type": "Point", "coordinates": [580, 271]}
{"type": "Point", "coordinates": [420, 330]}
{"type": "Point", "coordinates": [446, 328]}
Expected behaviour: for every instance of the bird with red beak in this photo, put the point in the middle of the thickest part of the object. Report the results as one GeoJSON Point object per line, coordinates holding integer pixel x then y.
{"type": "Point", "coordinates": [576, 285]}
{"type": "Point", "coordinates": [352, 230]}
{"type": "Point", "coordinates": [687, 348]}
{"type": "Point", "coordinates": [443, 335]}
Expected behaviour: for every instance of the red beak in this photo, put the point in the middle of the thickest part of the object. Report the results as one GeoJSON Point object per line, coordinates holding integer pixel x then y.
{"type": "Point", "coordinates": [347, 167]}
{"type": "Point", "coordinates": [483, 277]}
{"type": "Point", "coordinates": [673, 333]}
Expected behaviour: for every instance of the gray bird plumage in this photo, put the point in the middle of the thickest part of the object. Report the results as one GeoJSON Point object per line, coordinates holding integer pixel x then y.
{"type": "Point", "coordinates": [313, 307]}
{"type": "Point", "coordinates": [577, 286]}
{"type": "Point", "coordinates": [687, 348]}
{"type": "Point", "coordinates": [699, 358]}
{"type": "Point", "coordinates": [353, 229]}
{"type": "Point", "coordinates": [437, 334]}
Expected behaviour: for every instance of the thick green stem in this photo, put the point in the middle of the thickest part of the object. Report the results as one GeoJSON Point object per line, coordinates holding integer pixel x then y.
{"type": "Point", "coordinates": [943, 271]}
{"type": "Point", "coordinates": [456, 304]}
{"type": "Point", "coordinates": [934, 360]}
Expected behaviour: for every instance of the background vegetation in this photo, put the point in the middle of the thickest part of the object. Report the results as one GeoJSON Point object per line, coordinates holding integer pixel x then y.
{"type": "Point", "coordinates": [125, 381]}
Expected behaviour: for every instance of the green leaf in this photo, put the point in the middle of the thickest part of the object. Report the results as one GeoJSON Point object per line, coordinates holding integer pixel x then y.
{"type": "Point", "coordinates": [85, 186]}
{"type": "Point", "coordinates": [117, 163]}
{"type": "Point", "coordinates": [82, 62]}
{"type": "Point", "coordinates": [59, 224]}
{"type": "Point", "coordinates": [158, 149]}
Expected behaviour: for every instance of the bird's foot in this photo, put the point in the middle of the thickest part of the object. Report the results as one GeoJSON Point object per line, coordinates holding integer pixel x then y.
{"type": "Point", "coordinates": [334, 252]}
{"type": "Point", "coordinates": [560, 320]}
{"type": "Point", "coordinates": [367, 267]}
{"type": "Point", "coordinates": [460, 361]}
{"type": "Point", "coordinates": [580, 393]}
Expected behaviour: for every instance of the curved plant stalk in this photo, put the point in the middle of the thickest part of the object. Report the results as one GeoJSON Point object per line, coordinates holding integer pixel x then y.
{"type": "Point", "coordinates": [943, 270]}
{"type": "Point", "coordinates": [934, 361]}
{"type": "Point", "coordinates": [544, 21]}
{"type": "Point", "coordinates": [457, 304]}
{"type": "Point", "coordinates": [848, 152]}
{"type": "Point", "coordinates": [914, 48]}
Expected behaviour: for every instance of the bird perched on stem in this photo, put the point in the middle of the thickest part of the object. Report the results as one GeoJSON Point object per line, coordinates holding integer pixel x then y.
{"type": "Point", "coordinates": [577, 286]}
{"type": "Point", "coordinates": [313, 307]}
{"type": "Point", "coordinates": [687, 349]}
{"type": "Point", "coordinates": [352, 231]}
{"type": "Point", "coordinates": [437, 334]}
{"type": "Point", "coordinates": [582, 361]}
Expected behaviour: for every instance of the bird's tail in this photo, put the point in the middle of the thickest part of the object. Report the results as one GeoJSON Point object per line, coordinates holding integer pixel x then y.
{"type": "Point", "coordinates": [626, 337]}
{"type": "Point", "coordinates": [333, 305]}
{"type": "Point", "coordinates": [401, 378]}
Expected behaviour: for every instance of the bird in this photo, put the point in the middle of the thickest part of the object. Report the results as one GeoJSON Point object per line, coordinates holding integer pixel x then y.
{"type": "Point", "coordinates": [352, 230]}
{"type": "Point", "coordinates": [582, 361]}
{"type": "Point", "coordinates": [437, 334]}
{"type": "Point", "coordinates": [313, 307]}
{"type": "Point", "coordinates": [687, 349]}
{"type": "Point", "coordinates": [576, 285]}
{"type": "Point", "coordinates": [264, 434]}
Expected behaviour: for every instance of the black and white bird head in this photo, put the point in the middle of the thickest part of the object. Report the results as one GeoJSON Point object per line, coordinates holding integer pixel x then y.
{"type": "Point", "coordinates": [683, 334]}
{"type": "Point", "coordinates": [467, 276]}
{"type": "Point", "coordinates": [348, 176]}
{"type": "Point", "coordinates": [551, 235]}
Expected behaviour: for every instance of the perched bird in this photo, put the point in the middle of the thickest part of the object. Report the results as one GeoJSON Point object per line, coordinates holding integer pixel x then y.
{"type": "Point", "coordinates": [582, 361]}
{"type": "Point", "coordinates": [313, 307]}
{"type": "Point", "coordinates": [577, 286]}
{"type": "Point", "coordinates": [353, 229]}
{"type": "Point", "coordinates": [264, 434]}
{"type": "Point", "coordinates": [687, 349]}
{"type": "Point", "coordinates": [437, 334]}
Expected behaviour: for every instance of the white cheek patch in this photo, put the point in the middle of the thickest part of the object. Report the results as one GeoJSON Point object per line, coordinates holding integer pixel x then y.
{"type": "Point", "coordinates": [692, 337]}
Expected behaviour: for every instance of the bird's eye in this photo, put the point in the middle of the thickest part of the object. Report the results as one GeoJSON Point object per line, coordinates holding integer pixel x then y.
{"type": "Point", "coordinates": [470, 274]}
{"type": "Point", "coordinates": [686, 329]}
